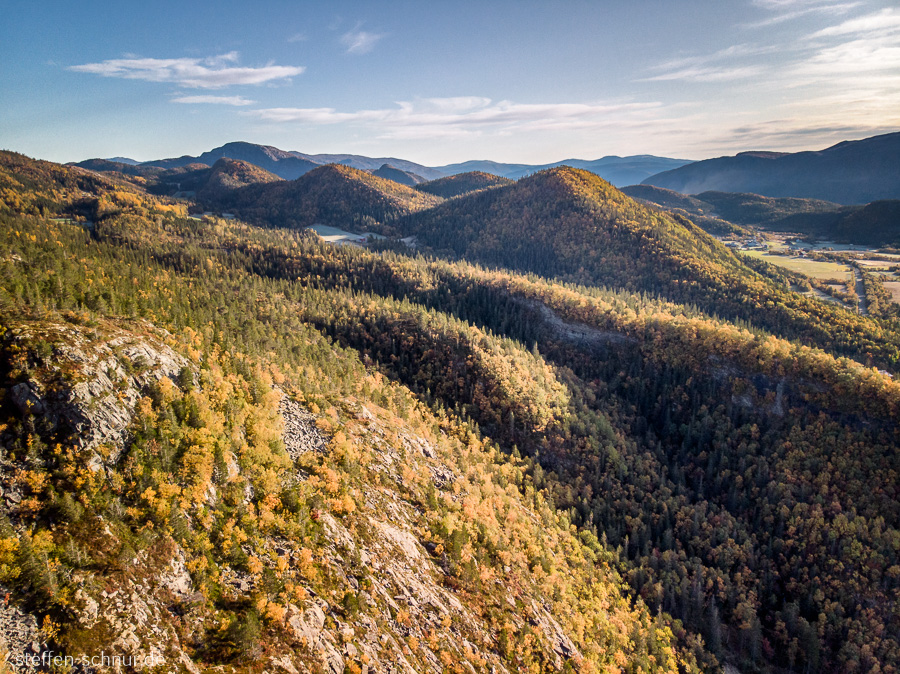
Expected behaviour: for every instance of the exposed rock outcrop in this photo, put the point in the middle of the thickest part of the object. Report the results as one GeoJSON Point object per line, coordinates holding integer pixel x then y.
{"type": "Point", "coordinates": [104, 379]}
{"type": "Point", "coordinates": [300, 433]}
{"type": "Point", "coordinates": [19, 633]}
{"type": "Point", "coordinates": [371, 587]}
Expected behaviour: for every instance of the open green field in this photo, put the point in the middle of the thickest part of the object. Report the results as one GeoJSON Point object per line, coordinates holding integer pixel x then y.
{"type": "Point", "coordinates": [876, 265]}
{"type": "Point", "coordinates": [894, 288]}
{"type": "Point", "coordinates": [812, 268]}
{"type": "Point", "coordinates": [327, 232]}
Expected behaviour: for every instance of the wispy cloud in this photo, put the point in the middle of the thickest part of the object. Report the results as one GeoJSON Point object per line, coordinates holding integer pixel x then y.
{"type": "Point", "coordinates": [790, 5]}
{"type": "Point", "coordinates": [213, 72]}
{"type": "Point", "coordinates": [359, 41]}
{"type": "Point", "coordinates": [861, 54]}
{"type": "Point", "coordinates": [886, 22]}
{"type": "Point", "coordinates": [791, 134]}
{"type": "Point", "coordinates": [298, 37]}
{"type": "Point", "coordinates": [787, 10]}
{"type": "Point", "coordinates": [858, 57]}
{"type": "Point", "coordinates": [849, 71]}
{"type": "Point", "coordinates": [708, 74]}
{"type": "Point", "coordinates": [220, 100]}
{"type": "Point", "coordinates": [721, 66]}
{"type": "Point", "coordinates": [469, 115]}
{"type": "Point", "coordinates": [824, 84]}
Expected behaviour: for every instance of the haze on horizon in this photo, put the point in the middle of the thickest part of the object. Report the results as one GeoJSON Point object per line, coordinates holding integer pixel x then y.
{"type": "Point", "coordinates": [510, 81]}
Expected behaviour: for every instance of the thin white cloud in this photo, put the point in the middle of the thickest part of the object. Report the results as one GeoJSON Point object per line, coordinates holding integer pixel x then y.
{"type": "Point", "coordinates": [803, 5]}
{"type": "Point", "coordinates": [298, 37]}
{"type": "Point", "coordinates": [857, 81]}
{"type": "Point", "coordinates": [849, 72]}
{"type": "Point", "coordinates": [858, 57]}
{"type": "Point", "coordinates": [213, 72]}
{"type": "Point", "coordinates": [222, 59]}
{"type": "Point", "coordinates": [360, 41]}
{"type": "Point", "coordinates": [787, 10]}
{"type": "Point", "coordinates": [722, 66]}
{"type": "Point", "coordinates": [453, 117]}
{"type": "Point", "coordinates": [885, 22]}
{"type": "Point", "coordinates": [220, 100]}
{"type": "Point", "coordinates": [708, 74]}
{"type": "Point", "coordinates": [455, 103]}
{"type": "Point", "coordinates": [734, 51]}
{"type": "Point", "coordinates": [792, 134]}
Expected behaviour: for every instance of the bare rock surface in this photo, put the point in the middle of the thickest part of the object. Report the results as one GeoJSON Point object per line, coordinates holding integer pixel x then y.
{"type": "Point", "coordinates": [142, 612]}
{"type": "Point", "coordinates": [19, 633]}
{"type": "Point", "coordinates": [104, 379]}
{"type": "Point", "coordinates": [300, 433]}
{"type": "Point", "coordinates": [562, 645]}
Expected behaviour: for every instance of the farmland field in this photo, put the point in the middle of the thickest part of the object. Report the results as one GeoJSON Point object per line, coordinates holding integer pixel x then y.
{"type": "Point", "coordinates": [813, 268]}
{"type": "Point", "coordinates": [894, 288]}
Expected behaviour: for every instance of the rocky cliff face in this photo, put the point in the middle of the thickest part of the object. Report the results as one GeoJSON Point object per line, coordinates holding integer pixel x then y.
{"type": "Point", "coordinates": [93, 385]}
{"type": "Point", "coordinates": [376, 594]}
{"type": "Point", "coordinates": [81, 386]}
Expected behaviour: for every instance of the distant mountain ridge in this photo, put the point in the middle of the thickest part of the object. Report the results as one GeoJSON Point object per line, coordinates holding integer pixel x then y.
{"type": "Point", "coordinates": [283, 164]}
{"type": "Point", "coordinates": [124, 160]}
{"type": "Point", "coordinates": [407, 178]}
{"type": "Point", "coordinates": [291, 165]}
{"type": "Point", "coordinates": [873, 224]}
{"type": "Point", "coordinates": [616, 170]}
{"type": "Point", "coordinates": [372, 164]}
{"type": "Point", "coordinates": [851, 172]}
{"type": "Point", "coordinates": [462, 183]}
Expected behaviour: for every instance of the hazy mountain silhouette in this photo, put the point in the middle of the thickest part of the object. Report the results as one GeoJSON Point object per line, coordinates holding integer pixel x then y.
{"type": "Point", "coordinates": [851, 172]}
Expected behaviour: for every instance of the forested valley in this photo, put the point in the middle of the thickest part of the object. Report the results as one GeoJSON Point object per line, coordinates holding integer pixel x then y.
{"type": "Point", "coordinates": [655, 444]}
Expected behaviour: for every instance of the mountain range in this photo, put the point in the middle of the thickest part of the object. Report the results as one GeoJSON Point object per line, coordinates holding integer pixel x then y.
{"type": "Point", "coordinates": [873, 224]}
{"type": "Point", "coordinates": [851, 172]}
{"type": "Point", "coordinates": [718, 212]}
{"type": "Point", "coordinates": [291, 165]}
{"type": "Point", "coordinates": [616, 170]}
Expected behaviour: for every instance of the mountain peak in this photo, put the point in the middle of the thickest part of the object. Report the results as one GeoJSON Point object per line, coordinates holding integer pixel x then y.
{"type": "Point", "coordinates": [463, 183]}
{"type": "Point", "coordinates": [568, 181]}
{"type": "Point", "coordinates": [761, 154]}
{"type": "Point", "coordinates": [333, 194]}
{"type": "Point", "coordinates": [390, 172]}
{"type": "Point", "coordinates": [852, 172]}
{"type": "Point", "coordinates": [229, 174]}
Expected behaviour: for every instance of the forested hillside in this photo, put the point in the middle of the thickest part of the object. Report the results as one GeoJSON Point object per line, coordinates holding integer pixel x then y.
{"type": "Point", "coordinates": [227, 175]}
{"type": "Point", "coordinates": [874, 224]}
{"type": "Point", "coordinates": [462, 183]}
{"type": "Point", "coordinates": [631, 452]}
{"type": "Point", "coordinates": [571, 225]}
{"type": "Point", "coordinates": [330, 195]}
{"type": "Point", "coordinates": [347, 524]}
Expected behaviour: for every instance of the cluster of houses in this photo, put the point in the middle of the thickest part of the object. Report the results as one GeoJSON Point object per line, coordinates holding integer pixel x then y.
{"type": "Point", "coordinates": [747, 244]}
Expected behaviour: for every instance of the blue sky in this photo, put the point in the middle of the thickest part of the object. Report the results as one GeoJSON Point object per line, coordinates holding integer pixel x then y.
{"type": "Point", "coordinates": [441, 82]}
